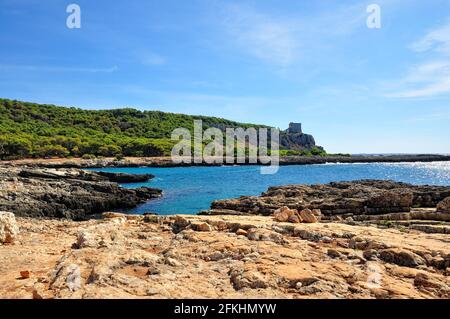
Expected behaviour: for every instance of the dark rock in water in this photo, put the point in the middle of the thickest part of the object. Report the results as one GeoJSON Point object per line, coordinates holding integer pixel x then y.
{"type": "Point", "coordinates": [365, 197]}
{"type": "Point", "coordinates": [85, 175]}
{"type": "Point", "coordinates": [65, 193]}
{"type": "Point", "coordinates": [126, 178]}
{"type": "Point", "coordinates": [61, 174]}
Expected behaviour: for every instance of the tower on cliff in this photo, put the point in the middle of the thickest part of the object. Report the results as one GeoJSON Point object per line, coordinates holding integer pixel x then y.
{"type": "Point", "coordinates": [295, 128]}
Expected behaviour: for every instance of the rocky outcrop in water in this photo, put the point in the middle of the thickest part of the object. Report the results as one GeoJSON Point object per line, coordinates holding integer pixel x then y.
{"type": "Point", "coordinates": [67, 193]}
{"type": "Point", "coordinates": [341, 199]}
{"type": "Point", "coordinates": [123, 178]}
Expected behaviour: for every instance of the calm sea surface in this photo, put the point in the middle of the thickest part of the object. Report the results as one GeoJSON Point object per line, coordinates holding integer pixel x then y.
{"type": "Point", "coordinates": [188, 190]}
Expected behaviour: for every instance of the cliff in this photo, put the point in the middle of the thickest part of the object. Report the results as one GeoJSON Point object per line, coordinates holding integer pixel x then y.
{"type": "Point", "coordinates": [294, 139]}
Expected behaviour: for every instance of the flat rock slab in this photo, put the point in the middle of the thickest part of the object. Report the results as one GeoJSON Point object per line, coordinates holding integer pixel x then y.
{"type": "Point", "coordinates": [123, 256]}
{"type": "Point", "coordinates": [67, 193]}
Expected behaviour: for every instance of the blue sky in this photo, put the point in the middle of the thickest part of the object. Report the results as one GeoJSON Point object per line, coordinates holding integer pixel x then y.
{"type": "Point", "coordinates": [268, 62]}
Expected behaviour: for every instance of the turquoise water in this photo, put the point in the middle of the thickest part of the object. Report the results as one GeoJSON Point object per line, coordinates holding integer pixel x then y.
{"type": "Point", "coordinates": [188, 190]}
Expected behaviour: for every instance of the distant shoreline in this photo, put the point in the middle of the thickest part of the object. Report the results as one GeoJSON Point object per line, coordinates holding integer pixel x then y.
{"type": "Point", "coordinates": [167, 161]}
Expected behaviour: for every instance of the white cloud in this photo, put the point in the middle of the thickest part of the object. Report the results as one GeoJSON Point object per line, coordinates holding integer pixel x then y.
{"type": "Point", "coordinates": [424, 80]}
{"type": "Point", "coordinates": [433, 89]}
{"type": "Point", "coordinates": [437, 40]}
{"type": "Point", "coordinates": [266, 38]}
{"type": "Point", "coordinates": [282, 40]}
{"type": "Point", "coordinates": [432, 77]}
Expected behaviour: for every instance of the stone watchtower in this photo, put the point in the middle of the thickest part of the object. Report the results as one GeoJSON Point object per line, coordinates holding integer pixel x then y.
{"type": "Point", "coordinates": [295, 128]}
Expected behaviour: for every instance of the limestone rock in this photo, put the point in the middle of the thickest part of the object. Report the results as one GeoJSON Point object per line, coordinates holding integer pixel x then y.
{"type": "Point", "coordinates": [111, 215]}
{"type": "Point", "coordinates": [67, 276]}
{"type": "Point", "coordinates": [333, 253]}
{"type": "Point", "coordinates": [85, 239]}
{"type": "Point", "coordinates": [294, 139]}
{"type": "Point", "coordinates": [241, 278]}
{"type": "Point", "coordinates": [317, 213]}
{"type": "Point", "coordinates": [307, 216]}
{"type": "Point", "coordinates": [8, 227]}
{"type": "Point", "coordinates": [337, 199]}
{"type": "Point", "coordinates": [283, 214]}
{"type": "Point", "coordinates": [444, 205]}
{"type": "Point", "coordinates": [259, 234]}
{"type": "Point", "coordinates": [65, 193]}
{"type": "Point", "coordinates": [294, 219]}
{"type": "Point", "coordinates": [370, 254]}
{"type": "Point", "coordinates": [275, 260]}
{"type": "Point", "coordinates": [199, 226]}
{"type": "Point", "coordinates": [180, 223]}
{"type": "Point", "coordinates": [401, 257]}
{"type": "Point", "coordinates": [428, 281]}
{"type": "Point", "coordinates": [172, 262]}
{"type": "Point", "coordinates": [141, 258]}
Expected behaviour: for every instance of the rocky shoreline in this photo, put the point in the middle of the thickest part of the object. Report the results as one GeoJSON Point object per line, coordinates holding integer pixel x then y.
{"type": "Point", "coordinates": [361, 200]}
{"type": "Point", "coordinates": [68, 193]}
{"type": "Point", "coordinates": [130, 256]}
{"type": "Point", "coordinates": [360, 239]}
{"type": "Point", "coordinates": [167, 161]}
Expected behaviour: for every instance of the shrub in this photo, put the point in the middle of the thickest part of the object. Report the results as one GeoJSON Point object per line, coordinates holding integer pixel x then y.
{"type": "Point", "coordinates": [88, 156]}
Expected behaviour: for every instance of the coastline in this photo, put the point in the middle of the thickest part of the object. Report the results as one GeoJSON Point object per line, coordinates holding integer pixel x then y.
{"type": "Point", "coordinates": [249, 247]}
{"type": "Point", "coordinates": [166, 161]}
{"type": "Point", "coordinates": [69, 192]}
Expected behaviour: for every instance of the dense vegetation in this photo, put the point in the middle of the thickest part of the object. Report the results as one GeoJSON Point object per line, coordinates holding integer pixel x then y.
{"type": "Point", "coordinates": [315, 151]}
{"type": "Point", "coordinates": [39, 130]}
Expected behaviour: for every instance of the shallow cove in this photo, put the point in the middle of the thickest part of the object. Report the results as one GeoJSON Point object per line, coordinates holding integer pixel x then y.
{"type": "Point", "coordinates": [188, 190]}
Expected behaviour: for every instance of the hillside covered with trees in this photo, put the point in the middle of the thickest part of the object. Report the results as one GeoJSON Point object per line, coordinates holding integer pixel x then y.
{"type": "Point", "coordinates": [41, 130]}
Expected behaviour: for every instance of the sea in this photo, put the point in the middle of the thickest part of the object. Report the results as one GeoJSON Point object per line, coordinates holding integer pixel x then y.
{"type": "Point", "coordinates": [189, 190]}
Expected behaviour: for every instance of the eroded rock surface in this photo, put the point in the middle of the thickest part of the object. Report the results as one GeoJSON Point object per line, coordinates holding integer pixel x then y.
{"type": "Point", "coordinates": [68, 193]}
{"type": "Point", "coordinates": [343, 199]}
{"type": "Point", "coordinates": [444, 205]}
{"type": "Point", "coordinates": [8, 227]}
{"type": "Point", "coordinates": [126, 256]}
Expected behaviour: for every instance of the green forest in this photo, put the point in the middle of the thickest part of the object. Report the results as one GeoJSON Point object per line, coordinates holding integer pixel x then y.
{"type": "Point", "coordinates": [30, 130]}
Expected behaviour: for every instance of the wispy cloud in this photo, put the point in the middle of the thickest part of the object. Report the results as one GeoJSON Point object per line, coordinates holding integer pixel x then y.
{"type": "Point", "coordinates": [282, 40]}
{"type": "Point", "coordinates": [437, 40]}
{"type": "Point", "coordinates": [265, 37]}
{"type": "Point", "coordinates": [424, 80]}
{"type": "Point", "coordinates": [6, 67]}
{"type": "Point", "coordinates": [432, 77]}
{"type": "Point", "coordinates": [434, 116]}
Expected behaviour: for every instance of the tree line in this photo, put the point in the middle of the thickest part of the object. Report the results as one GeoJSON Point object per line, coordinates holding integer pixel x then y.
{"type": "Point", "coordinates": [31, 130]}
